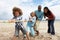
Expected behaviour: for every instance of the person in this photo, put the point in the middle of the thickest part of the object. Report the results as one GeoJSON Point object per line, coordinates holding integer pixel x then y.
{"type": "Point", "coordinates": [51, 18]}
{"type": "Point", "coordinates": [17, 13]}
{"type": "Point", "coordinates": [30, 24]}
{"type": "Point", "coordinates": [39, 16]}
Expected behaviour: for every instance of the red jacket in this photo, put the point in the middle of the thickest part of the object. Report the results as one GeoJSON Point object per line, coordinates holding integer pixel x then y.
{"type": "Point", "coordinates": [50, 17]}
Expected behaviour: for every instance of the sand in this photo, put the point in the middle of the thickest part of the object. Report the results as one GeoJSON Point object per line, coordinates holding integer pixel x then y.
{"type": "Point", "coordinates": [7, 31]}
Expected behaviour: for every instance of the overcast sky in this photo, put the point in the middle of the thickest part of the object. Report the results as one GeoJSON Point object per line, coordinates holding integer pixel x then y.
{"type": "Point", "coordinates": [27, 7]}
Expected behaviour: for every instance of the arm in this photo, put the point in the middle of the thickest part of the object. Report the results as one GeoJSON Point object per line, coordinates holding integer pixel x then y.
{"type": "Point", "coordinates": [12, 21]}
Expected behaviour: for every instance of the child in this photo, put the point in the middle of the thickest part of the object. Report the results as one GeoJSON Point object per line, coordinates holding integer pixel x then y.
{"type": "Point", "coordinates": [17, 13]}
{"type": "Point", "coordinates": [30, 24]}
{"type": "Point", "coordinates": [51, 18]}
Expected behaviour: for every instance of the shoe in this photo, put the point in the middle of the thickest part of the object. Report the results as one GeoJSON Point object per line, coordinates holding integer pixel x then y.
{"type": "Point", "coordinates": [52, 33]}
{"type": "Point", "coordinates": [24, 36]}
{"type": "Point", "coordinates": [37, 32]}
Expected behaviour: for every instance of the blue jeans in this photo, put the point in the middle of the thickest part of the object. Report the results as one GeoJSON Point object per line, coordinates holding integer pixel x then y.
{"type": "Point", "coordinates": [51, 27]}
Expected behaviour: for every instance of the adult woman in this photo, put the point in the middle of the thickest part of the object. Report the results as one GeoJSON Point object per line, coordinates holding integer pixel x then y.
{"type": "Point", "coordinates": [51, 18]}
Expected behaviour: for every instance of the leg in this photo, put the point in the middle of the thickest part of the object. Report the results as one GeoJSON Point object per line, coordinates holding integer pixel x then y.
{"type": "Point", "coordinates": [15, 37]}
{"type": "Point", "coordinates": [25, 33]}
{"type": "Point", "coordinates": [32, 31]}
{"type": "Point", "coordinates": [36, 27]}
{"type": "Point", "coordinates": [48, 26]}
{"type": "Point", "coordinates": [52, 27]}
{"type": "Point", "coordinates": [16, 31]}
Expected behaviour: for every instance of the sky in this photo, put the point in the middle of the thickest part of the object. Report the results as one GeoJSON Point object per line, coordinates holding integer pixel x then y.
{"type": "Point", "coordinates": [27, 7]}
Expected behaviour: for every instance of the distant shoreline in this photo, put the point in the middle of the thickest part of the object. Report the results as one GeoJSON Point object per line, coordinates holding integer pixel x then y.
{"type": "Point", "coordinates": [5, 21]}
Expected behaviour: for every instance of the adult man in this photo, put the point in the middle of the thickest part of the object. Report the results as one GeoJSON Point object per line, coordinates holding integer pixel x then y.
{"type": "Point", "coordinates": [39, 15]}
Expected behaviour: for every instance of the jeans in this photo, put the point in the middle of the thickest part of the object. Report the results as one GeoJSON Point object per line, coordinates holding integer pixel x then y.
{"type": "Point", "coordinates": [51, 27]}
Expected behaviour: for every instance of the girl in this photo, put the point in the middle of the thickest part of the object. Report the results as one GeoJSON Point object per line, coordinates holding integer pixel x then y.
{"type": "Point", "coordinates": [51, 18]}
{"type": "Point", "coordinates": [17, 13]}
{"type": "Point", "coordinates": [30, 24]}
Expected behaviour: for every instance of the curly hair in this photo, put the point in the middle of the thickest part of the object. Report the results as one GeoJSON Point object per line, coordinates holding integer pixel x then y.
{"type": "Point", "coordinates": [17, 9]}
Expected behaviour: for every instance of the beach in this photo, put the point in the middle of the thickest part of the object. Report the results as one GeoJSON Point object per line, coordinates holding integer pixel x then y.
{"type": "Point", "coordinates": [7, 31]}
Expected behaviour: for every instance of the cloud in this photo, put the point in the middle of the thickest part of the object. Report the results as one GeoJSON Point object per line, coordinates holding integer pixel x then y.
{"type": "Point", "coordinates": [51, 3]}
{"type": "Point", "coordinates": [27, 7]}
{"type": "Point", "coordinates": [6, 7]}
{"type": "Point", "coordinates": [26, 0]}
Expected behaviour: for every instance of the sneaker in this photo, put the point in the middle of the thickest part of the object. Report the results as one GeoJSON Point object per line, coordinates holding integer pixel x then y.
{"type": "Point", "coordinates": [24, 36]}
{"type": "Point", "coordinates": [52, 33]}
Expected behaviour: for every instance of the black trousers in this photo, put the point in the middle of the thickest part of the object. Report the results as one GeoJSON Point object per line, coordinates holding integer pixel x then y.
{"type": "Point", "coordinates": [51, 27]}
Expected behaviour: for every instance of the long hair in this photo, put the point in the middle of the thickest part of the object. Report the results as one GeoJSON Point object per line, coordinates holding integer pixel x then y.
{"type": "Point", "coordinates": [48, 12]}
{"type": "Point", "coordinates": [17, 9]}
